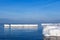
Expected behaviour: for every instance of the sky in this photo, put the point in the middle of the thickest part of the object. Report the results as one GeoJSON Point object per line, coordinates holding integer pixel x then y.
{"type": "Point", "coordinates": [30, 10]}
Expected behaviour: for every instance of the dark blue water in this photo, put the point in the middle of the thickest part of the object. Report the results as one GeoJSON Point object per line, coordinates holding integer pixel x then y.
{"type": "Point", "coordinates": [20, 34]}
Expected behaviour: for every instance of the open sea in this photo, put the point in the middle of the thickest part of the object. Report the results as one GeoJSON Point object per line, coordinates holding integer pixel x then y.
{"type": "Point", "coordinates": [20, 34]}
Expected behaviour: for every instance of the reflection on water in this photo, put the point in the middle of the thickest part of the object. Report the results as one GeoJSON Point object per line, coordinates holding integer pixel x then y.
{"type": "Point", "coordinates": [23, 35]}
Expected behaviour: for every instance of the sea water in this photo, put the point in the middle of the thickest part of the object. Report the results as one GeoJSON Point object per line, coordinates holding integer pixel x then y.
{"type": "Point", "coordinates": [20, 34]}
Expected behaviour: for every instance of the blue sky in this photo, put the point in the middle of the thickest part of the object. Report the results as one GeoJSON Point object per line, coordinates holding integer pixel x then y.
{"type": "Point", "coordinates": [45, 10]}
